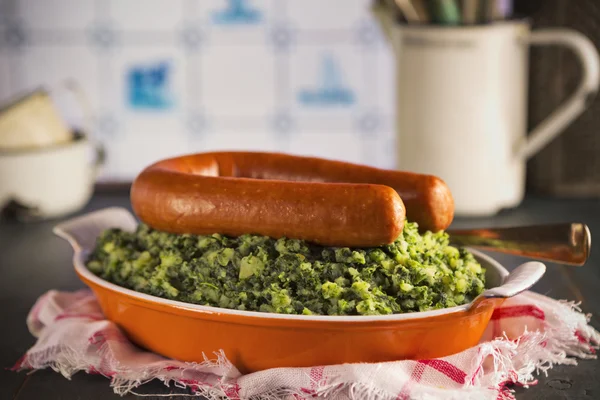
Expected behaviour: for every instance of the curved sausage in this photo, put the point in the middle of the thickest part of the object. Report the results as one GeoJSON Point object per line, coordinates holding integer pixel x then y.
{"type": "Point", "coordinates": [322, 201]}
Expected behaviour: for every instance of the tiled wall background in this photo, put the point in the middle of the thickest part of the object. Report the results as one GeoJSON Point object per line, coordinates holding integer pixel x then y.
{"type": "Point", "coordinates": [171, 77]}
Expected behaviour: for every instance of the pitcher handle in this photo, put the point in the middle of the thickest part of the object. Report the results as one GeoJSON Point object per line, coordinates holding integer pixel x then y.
{"type": "Point", "coordinates": [585, 93]}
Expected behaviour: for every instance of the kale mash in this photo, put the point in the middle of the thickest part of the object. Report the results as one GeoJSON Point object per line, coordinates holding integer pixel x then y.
{"type": "Point", "coordinates": [256, 273]}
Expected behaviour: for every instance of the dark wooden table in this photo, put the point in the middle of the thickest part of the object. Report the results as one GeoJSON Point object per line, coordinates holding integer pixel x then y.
{"type": "Point", "coordinates": [33, 260]}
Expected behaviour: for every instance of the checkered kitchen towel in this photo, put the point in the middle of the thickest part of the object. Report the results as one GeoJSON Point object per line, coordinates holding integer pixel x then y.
{"type": "Point", "coordinates": [529, 334]}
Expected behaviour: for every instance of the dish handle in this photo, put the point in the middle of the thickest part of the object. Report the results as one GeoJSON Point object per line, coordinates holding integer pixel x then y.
{"type": "Point", "coordinates": [81, 232]}
{"type": "Point", "coordinates": [519, 280]}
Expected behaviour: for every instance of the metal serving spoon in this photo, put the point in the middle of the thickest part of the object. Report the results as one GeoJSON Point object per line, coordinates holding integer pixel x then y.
{"type": "Point", "coordinates": [568, 243]}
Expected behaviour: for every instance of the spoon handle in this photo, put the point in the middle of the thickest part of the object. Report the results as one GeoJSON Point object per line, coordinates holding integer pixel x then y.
{"type": "Point", "coordinates": [568, 243]}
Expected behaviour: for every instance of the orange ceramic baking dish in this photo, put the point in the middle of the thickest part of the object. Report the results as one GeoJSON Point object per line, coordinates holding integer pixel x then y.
{"type": "Point", "coordinates": [255, 341]}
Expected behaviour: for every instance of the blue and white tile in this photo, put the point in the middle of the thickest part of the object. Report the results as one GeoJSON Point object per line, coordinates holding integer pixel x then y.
{"type": "Point", "coordinates": [326, 82]}
{"type": "Point", "coordinates": [57, 14]}
{"type": "Point", "coordinates": [237, 81]}
{"type": "Point", "coordinates": [379, 152]}
{"type": "Point", "coordinates": [149, 82]}
{"type": "Point", "coordinates": [376, 133]}
{"type": "Point", "coordinates": [137, 149]}
{"type": "Point", "coordinates": [230, 52]}
{"type": "Point", "coordinates": [235, 14]}
{"type": "Point", "coordinates": [282, 127]}
{"type": "Point", "coordinates": [389, 151]}
{"type": "Point", "coordinates": [52, 66]}
{"type": "Point", "coordinates": [197, 124]}
{"type": "Point", "coordinates": [147, 15]}
{"type": "Point", "coordinates": [251, 139]}
{"type": "Point", "coordinates": [282, 123]}
{"type": "Point", "coordinates": [149, 99]}
{"type": "Point", "coordinates": [385, 79]}
{"type": "Point", "coordinates": [368, 35]}
{"type": "Point", "coordinates": [329, 15]}
{"type": "Point", "coordinates": [106, 125]}
{"type": "Point", "coordinates": [152, 128]}
{"type": "Point", "coordinates": [192, 36]}
{"type": "Point", "coordinates": [112, 170]}
{"type": "Point", "coordinates": [330, 125]}
{"type": "Point", "coordinates": [237, 123]}
{"type": "Point", "coordinates": [369, 124]}
{"type": "Point", "coordinates": [325, 144]}
{"type": "Point", "coordinates": [282, 36]}
{"type": "Point", "coordinates": [103, 35]}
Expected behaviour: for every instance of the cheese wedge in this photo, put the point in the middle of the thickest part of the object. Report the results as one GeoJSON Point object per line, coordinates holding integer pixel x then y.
{"type": "Point", "coordinates": [32, 122]}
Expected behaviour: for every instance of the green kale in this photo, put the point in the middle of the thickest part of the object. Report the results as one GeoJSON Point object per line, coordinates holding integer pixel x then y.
{"type": "Point", "coordinates": [257, 273]}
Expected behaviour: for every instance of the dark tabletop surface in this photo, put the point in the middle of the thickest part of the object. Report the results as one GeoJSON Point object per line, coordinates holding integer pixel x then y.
{"type": "Point", "coordinates": [33, 260]}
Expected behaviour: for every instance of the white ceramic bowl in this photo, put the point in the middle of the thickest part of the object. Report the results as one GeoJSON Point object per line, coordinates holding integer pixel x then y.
{"type": "Point", "coordinates": [51, 181]}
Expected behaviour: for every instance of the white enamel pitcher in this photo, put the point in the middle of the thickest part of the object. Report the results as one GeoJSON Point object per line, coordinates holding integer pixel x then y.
{"type": "Point", "coordinates": [462, 105]}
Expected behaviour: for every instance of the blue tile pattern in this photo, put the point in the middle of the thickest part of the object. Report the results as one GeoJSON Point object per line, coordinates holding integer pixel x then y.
{"type": "Point", "coordinates": [148, 86]}
{"type": "Point", "coordinates": [237, 12]}
{"type": "Point", "coordinates": [302, 76]}
{"type": "Point", "coordinates": [330, 88]}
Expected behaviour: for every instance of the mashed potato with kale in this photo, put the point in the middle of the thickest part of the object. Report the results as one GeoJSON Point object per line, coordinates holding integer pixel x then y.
{"type": "Point", "coordinates": [257, 273]}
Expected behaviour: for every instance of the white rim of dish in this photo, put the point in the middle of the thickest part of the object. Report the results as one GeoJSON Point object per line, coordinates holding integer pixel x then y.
{"type": "Point", "coordinates": [80, 254]}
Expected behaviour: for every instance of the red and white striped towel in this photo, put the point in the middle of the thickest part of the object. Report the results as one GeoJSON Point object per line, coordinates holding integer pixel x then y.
{"type": "Point", "coordinates": [528, 335]}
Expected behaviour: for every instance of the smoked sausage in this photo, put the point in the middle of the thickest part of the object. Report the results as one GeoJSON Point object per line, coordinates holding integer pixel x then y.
{"type": "Point", "coordinates": [323, 201]}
